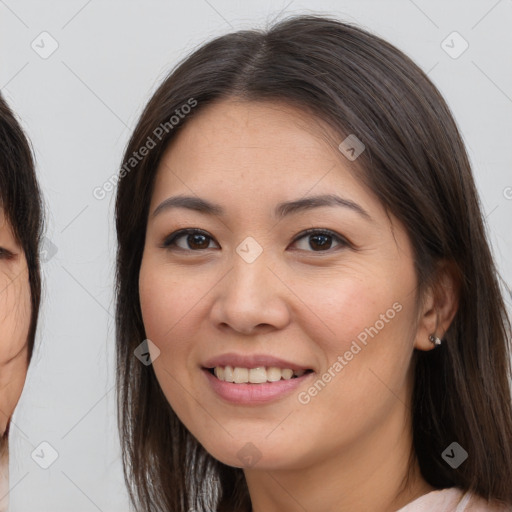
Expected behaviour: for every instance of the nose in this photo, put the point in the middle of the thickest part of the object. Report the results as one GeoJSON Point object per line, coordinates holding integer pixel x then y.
{"type": "Point", "coordinates": [251, 298]}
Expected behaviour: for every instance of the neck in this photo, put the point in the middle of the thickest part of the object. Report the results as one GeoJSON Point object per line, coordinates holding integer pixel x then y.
{"type": "Point", "coordinates": [367, 474]}
{"type": "Point", "coordinates": [4, 447]}
{"type": "Point", "coordinates": [4, 472]}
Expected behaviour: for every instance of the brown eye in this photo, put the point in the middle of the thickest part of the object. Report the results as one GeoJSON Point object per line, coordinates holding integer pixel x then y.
{"type": "Point", "coordinates": [195, 240]}
{"type": "Point", "coordinates": [321, 240]}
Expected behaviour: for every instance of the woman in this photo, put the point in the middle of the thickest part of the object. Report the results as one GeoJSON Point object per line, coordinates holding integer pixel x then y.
{"type": "Point", "coordinates": [20, 281]}
{"type": "Point", "coordinates": [372, 376]}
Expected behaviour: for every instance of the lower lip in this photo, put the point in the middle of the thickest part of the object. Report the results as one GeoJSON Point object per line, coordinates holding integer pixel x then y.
{"type": "Point", "coordinates": [255, 394]}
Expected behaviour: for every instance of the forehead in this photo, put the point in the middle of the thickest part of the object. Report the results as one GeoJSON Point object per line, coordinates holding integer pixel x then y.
{"type": "Point", "coordinates": [254, 151]}
{"type": "Point", "coordinates": [253, 128]}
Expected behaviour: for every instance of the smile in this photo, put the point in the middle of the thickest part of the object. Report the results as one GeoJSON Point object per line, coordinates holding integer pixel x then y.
{"type": "Point", "coordinates": [257, 375]}
{"type": "Point", "coordinates": [247, 392]}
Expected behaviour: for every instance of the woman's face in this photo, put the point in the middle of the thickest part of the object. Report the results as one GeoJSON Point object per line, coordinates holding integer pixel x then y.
{"type": "Point", "coordinates": [253, 286]}
{"type": "Point", "coordinates": [15, 313]}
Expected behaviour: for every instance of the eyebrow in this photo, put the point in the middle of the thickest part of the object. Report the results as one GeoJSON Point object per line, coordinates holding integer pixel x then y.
{"type": "Point", "coordinates": [282, 209]}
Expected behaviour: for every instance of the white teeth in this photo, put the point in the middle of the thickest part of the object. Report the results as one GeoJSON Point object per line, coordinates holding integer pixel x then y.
{"type": "Point", "coordinates": [273, 374]}
{"type": "Point", "coordinates": [240, 375]}
{"type": "Point", "coordinates": [287, 373]}
{"type": "Point", "coordinates": [257, 375]}
{"type": "Point", "coordinates": [228, 374]}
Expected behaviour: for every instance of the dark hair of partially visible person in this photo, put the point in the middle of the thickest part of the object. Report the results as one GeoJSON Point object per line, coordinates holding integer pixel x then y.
{"type": "Point", "coordinates": [21, 201]}
{"type": "Point", "coordinates": [416, 163]}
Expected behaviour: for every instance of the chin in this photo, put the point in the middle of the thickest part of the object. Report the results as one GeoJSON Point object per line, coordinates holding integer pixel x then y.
{"type": "Point", "coordinates": [252, 454]}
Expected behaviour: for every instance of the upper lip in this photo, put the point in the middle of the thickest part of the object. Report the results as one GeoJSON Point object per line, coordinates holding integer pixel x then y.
{"type": "Point", "coordinates": [252, 361]}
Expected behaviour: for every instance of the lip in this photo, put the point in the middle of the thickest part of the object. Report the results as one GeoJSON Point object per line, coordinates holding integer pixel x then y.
{"type": "Point", "coordinates": [254, 394]}
{"type": "Point", "coordinates": [252, 361]}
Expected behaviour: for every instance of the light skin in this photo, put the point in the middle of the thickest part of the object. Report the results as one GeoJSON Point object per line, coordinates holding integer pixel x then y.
{"type": "Point", "coordinates": [15, 311]}
{"type": "Point", "coordinates": [347, 449]}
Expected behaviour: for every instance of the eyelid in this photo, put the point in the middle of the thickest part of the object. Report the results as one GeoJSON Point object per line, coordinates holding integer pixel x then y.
{"type": "Point", "coordinates": [6, 254]}
{"type": "Point", "coordinates": [169, 241]}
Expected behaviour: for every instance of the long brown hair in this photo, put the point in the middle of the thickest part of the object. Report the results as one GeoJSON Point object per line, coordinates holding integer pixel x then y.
{"type": "Point", "coordinates": [416, 164]}
{"type": "Point", "coordinates": [21, 200]}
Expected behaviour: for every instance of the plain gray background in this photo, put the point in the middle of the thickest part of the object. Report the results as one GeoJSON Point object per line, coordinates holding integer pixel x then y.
{"type": "Point", "coordinates": [79, 105]}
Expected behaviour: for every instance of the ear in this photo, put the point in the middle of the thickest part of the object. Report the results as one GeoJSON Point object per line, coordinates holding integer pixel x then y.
{"type": "Point", "coordinates": [439, 306]}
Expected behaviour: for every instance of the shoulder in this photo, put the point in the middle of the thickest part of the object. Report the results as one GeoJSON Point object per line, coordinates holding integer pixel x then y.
{"type": "Point", "coordinates": [478, 504]}
{"type": "Point", "coordinates": [453, 499]}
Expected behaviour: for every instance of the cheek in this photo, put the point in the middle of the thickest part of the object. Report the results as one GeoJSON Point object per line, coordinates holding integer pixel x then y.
{"type": "Point", "coordinates": [362, 326]}
{"type": "Point", "coordinates": [167, 302]}
{"type": "Point", "coordinates": [170, 309]}
{"type": "Point", "coordinates": [340, 309]}
{"type": "Point", "coordinates": [15, 312]}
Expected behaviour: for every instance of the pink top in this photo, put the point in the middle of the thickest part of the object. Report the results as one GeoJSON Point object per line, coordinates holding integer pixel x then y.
{"type": "Point", "coordinates": [452, 500]}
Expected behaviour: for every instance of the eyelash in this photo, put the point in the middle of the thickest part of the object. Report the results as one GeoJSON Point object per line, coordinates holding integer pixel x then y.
{"type": "Point", "coordinates": [170, 242]}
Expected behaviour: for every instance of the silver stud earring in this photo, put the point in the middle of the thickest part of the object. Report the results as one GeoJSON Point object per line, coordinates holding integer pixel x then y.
{"type": "Point", "coordinates": [435, 340]}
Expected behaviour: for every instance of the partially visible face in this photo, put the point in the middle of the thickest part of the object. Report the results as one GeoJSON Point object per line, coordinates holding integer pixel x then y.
{"type": "Point", "coordinates": [305, 298]}
{"type": "Point", "coordinates": [15, 313]}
